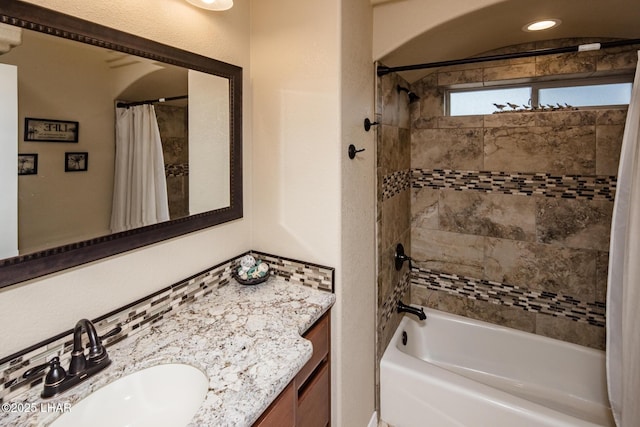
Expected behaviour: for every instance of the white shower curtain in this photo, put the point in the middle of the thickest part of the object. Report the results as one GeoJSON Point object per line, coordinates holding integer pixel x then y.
{"type": "Point", "coordinates": [140, 186]}
{"type": "Point", "coordinates": [623, 293]}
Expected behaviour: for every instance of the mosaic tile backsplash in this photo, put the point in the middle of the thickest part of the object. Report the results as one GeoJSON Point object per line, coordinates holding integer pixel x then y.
{"type": "Point", "coordinates": [139, 315]}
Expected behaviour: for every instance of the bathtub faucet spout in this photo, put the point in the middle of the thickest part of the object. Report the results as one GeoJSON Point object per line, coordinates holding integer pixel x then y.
{"type": "Point", "coordinates": [402, 307]}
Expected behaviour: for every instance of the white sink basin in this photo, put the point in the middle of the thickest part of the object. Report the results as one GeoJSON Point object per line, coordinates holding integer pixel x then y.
{"type": "Point", "coordinates": [164, 395]}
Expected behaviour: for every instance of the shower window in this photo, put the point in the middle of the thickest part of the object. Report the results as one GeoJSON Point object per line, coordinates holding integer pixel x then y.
{"type": "Point", "coordinates": [592, 92]}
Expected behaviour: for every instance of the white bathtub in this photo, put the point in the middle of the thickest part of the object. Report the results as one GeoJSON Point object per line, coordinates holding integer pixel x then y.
{"type": "Point", "coordinates": [455, 371]}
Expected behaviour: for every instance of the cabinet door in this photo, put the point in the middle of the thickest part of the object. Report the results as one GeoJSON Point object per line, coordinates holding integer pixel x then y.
{"type": "Point", "coordinates": [319, 337]}
{"type": "Point", "coordinates": [282, 412]}
{"type": "Point", "coordinates": [314, 400]}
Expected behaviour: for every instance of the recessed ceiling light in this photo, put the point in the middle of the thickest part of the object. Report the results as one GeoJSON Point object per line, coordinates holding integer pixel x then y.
{"type": "Point", "coordinates": [212, 4]}
{"type": "Point", "coordinates": [544, 24]}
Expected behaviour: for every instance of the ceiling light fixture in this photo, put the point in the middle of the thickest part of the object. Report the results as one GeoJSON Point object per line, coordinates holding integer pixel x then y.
{"type": "Point", "coordinates": [544, 24]}
{"type": "Point", "coordinates": [212, 4]}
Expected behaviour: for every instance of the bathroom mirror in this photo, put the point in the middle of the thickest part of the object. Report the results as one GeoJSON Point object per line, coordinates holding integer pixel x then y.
{"type": "Point", "coordinates": [212, 114]}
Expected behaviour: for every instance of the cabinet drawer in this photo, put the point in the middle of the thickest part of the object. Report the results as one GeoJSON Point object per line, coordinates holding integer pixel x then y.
{"type": "Point", "coordinates": [319, 337]}
{"type": "Point", "coordinates": [282, 412]}
{"type": "Point", "coordinates": [314, 402]}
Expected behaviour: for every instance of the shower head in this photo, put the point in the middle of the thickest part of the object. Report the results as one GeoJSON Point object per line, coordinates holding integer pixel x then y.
{"type": "Point", "coordinates": [412, 96]}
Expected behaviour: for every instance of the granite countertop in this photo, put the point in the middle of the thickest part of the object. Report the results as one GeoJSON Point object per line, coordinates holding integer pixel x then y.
{"type": "Point", "coordinates": [247, 339]}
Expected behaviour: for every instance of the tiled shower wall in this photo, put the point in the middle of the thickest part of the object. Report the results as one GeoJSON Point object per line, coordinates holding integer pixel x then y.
{"type": "Point", "coordinates": [174, 133]}
{"type": "Point", "coordinates": [510, 212]}
{"type": "Point", "coordinates": [394, 194]}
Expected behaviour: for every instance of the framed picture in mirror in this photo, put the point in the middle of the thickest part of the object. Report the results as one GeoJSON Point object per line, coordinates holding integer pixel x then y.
{"type": "Point", "coordinates": [27, 164]}
{"type": "Point", "coordinates": [76, 162]}
{"type": "Point", "coordinates": [44, 130]}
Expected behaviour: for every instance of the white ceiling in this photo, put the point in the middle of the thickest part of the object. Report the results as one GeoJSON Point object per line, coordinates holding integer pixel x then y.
{"type": "Point", "coordinates": [500, 25]}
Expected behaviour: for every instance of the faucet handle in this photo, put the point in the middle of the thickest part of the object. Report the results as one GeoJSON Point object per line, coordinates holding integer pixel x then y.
{"type": "Point", "coordinates": [401, 257]}
{"type": "Point", "coordinates": [55, 375]}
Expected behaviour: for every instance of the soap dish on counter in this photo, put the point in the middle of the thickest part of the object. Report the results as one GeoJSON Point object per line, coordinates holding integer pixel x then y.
{"type": "Point", "coordinates": [251, 271]}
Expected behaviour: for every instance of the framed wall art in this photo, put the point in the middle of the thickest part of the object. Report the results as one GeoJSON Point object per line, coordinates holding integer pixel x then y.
{"type": "Point", "coordinates": [45, 130]}
{"type": "Point", "coordinates": [27, 164]}
{"type": "Point", "coordinates": [76, 162]}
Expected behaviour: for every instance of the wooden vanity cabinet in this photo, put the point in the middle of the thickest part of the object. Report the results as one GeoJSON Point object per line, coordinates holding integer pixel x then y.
{"type": "Point", "coordinates": [306, 402]}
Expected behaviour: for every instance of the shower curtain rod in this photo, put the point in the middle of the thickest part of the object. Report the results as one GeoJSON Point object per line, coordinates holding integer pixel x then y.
{"type": "Point", "coordinates": [149, 101]}
{"type": "Point", "coordinates": [383, 70]}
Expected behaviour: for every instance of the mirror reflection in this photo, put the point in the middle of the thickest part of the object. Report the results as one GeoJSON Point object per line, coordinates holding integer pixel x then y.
{"type": "Point", "coordinates": [133, 165]}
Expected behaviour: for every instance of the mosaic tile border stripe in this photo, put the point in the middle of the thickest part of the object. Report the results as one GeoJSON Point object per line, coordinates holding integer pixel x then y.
{"type": "Point", "coordinates": [176, 169]}
{"type": "Point", "coordinates": [525, 184]}
{"type": "Point", "coordinates": [550, 303]}
{"type": "Point", "coordinates": [139, 315]}
{"type": "Point", "coordinates": [395, 183]}
{"type": "Point", "coordinates": [389, 306]}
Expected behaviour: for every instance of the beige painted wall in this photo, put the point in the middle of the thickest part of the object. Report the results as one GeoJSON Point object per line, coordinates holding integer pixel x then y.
{"type": "Point", "coordinates": [312, 80]}
{"type": "Point", "coordinates": [296, 132]}
{"type": "Point", "coordinates": [397, 22]}
{"type": "Point", "coordinates": [356, 306]}
{"type": "Point", "coordinates": [58, 207]}
{"type": "Point", "coordinates": [89, 291]}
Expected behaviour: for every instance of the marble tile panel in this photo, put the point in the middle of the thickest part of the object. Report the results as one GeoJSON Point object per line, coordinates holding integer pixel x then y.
{"type": "Point", "coordinates": [454, 304]}
{"type": "Point", "coordinates": [567, 63]}
{"type": "Point", "coordinates": [178, 196]}
{"type": "Point", "coordinates": [554, 150]}
{"type": "Point", "coordinates": [543, 267]}
{"type": "Point", "coordinates": [509, 71]}
{"type": "Point", "coordinates": [567, 330]}
{"type": "Point", "coordinates": [450, 78]}
{"type": "Point", "coordinates": [448, 252]}
{"type": "Point", "coordinates": [388, 156]}
{"type": "Point", "coordinates": [431, 104]}
{"type": "Point", "coordinates": [602, 271]}
{"type": "Point", "coordinates": [460, 122]}
{"type": "Point", "coordinates": [509, 120]}
{"type": "Point", "coordinates": [404, 109]}
{"type": "Point", "coordinates": [488, 214]}
{"type": "Point", "coordinates": [608, 146]}
{"type": "Point", "coordinates": [566, 118]}
{"type": "Point", "coordinates": [380, 187]}
{"type": "Point", "coordinates": [425, 122]}
{"type": "Point", "coordinates": [422, 295]}
{"type": "Point", "coordinates": [446, 149]}
{"type": "Point", "coordinates": [424, 208]}
{"type": "Point", "coordinates": [612, 60]}
{"type": "Point", "coordinates": [172, 121]}
{"type": "Point", "coordinates": [427, 83]}
{"type": "Point", "coordinates": [404, 149]}
{"type": "Point", "coordinates": [396, 218]}
{"type": "Point", "coordinates": [511, 317]}
{"type": "Point", "coordinates": [390, 99]}
{"type": "Point", "coordinates": [612, 116]}
{"type": "Point", "coordinates": [574, 223]}
{"type": "Point", "coordinates": [175, 150]}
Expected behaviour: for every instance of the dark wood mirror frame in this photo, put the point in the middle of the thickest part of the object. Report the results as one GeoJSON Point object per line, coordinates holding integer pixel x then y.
{"type": "Point", "coordinates": [36, 18]}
